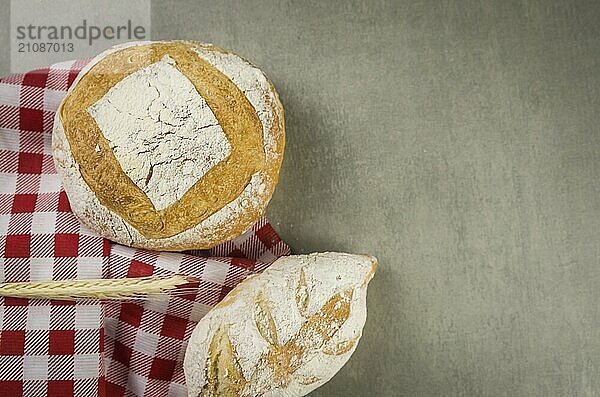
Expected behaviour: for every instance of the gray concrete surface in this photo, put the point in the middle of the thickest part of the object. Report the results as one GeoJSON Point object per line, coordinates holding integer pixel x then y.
{"type": "Point", "coordinates": [459, 143]}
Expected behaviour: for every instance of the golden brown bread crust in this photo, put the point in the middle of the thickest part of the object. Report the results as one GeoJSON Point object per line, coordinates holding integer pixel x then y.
{"type": "Point", "coordinates": [219, 186]}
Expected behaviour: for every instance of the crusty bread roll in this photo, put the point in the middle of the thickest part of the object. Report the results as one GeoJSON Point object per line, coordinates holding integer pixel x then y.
{"type": "Point", "coordinates": [284, 332]}
{"type": "Point", "coordinates": [169, 145]}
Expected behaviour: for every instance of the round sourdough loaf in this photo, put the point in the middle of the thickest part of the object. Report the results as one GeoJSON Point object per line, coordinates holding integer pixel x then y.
{"type": "Point", "coordinates": [171, 145]}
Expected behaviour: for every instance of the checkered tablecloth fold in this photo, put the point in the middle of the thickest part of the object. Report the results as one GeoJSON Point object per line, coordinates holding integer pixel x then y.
{"type": "Point", "coordinates": [58, 348]}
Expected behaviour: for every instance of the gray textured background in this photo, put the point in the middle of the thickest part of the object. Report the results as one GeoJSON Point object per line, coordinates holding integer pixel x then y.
{"type": "Point", "coordinates": [459, 143]}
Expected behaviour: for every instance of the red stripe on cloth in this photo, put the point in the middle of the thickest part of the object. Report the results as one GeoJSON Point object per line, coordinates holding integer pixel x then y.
{"type": "Point", "coordinates": [30, 163]}
{"type": "Point", "coordinates": [17, 246]}
{"type": "Point", "coordinates": [61, 342]}
{"type": "Point", "coordinates": [24, 203]}
{"type": "Point", "coordinates": [12, 343]}
{"type": "Point", "coordinates": [36, 78]}
{"type": "Point", "coordinates": [31, 119]}
{"type": "Point", "coordinates": [61, 388]}
{"type": "Point", "coordinates": [12, 388]}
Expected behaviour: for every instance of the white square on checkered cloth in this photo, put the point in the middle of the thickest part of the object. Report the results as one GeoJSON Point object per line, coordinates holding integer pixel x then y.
{"type": "Point", "coordinates": [8, 182]}
{"type": "Point", "coordinates": [35, 367]}
{"type": "Point", "coordinates": [9, 93]}
{"type": "Point", "coordinates": [43, 222]}
{"type": "Point", "coordinates": [41, 269]}
{"type": "Point", "coordinates": [86, 365]}
{"type": "Point", "coordinates": [38, 317]}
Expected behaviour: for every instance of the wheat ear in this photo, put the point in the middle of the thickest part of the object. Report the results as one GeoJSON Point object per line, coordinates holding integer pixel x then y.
{"type": "Point", "coordinates": [117, 289]}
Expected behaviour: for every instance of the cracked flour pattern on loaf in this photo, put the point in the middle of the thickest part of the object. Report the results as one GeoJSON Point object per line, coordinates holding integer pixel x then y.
{"type": "Point", "coordinates": [158, 126]}
{"type": "Point", "coordinates": [284, 332]}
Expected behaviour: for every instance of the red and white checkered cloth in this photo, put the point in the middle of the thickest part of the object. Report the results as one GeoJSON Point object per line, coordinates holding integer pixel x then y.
{"type": "Point", "coordinates": [57, 348]}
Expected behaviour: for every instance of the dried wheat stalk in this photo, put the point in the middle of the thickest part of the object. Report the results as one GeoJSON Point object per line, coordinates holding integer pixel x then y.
{"type": "Point", "coordinates": [150, 287]}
